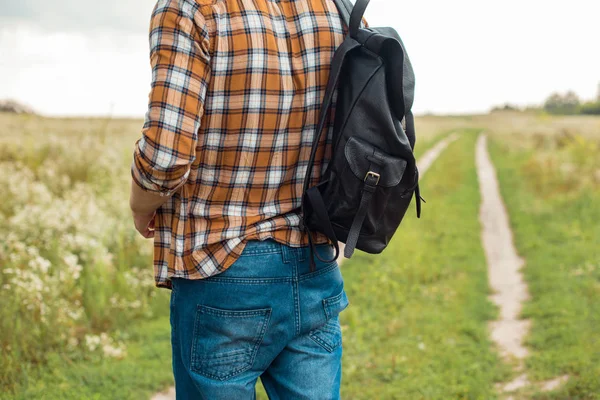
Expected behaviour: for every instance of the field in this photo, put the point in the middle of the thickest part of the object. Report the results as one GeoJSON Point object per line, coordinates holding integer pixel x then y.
{"type": "Point", "coordinates": [80, 317]}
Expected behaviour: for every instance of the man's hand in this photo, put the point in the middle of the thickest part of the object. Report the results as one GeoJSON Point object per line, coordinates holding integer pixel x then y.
{"type": "Point", "coordinates": [144, 224]}
{"type": "Point", "coordinates": [143, 206]}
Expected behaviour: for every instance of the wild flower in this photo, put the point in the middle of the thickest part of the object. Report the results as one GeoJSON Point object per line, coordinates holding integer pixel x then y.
{"type": "Point", "coordinates": [67, 261]}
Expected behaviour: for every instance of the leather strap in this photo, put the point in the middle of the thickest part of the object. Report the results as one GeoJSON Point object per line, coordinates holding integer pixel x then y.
{"type": "Point", "coordinates": [367, 195]}
{"type": "Point", "coordinates": [319, 208]}
{"type": "Point", "coordinates": [418, 199]}
{"type": "Point", "coordinates": [335, 72]}
{"type": "Point", "coordinates": [410, 129]}
{"type": "Point", "coordinates": [358, 11]}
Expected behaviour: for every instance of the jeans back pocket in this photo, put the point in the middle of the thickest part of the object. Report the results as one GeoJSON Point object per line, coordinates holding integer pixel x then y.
{"type": "Point", "coordinates": [225, 342]}
{"type": "Point", "coordinates": [329, 336]}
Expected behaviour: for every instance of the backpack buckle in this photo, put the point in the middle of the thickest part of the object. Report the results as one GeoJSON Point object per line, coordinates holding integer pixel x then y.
{"type": "Point", "coordinates": [374, 175]}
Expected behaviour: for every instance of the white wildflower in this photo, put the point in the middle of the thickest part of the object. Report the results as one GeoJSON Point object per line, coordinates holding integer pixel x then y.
{"type": "Point", "coordinates": [72, 343]}
{"type": "Point", "coordinates": [92, 342]}
{"type": "Point", "coordinates": [113, 351]}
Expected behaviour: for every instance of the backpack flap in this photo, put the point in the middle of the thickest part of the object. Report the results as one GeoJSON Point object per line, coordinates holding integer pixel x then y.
{"type": "Point", "coordinates": [360, 155]}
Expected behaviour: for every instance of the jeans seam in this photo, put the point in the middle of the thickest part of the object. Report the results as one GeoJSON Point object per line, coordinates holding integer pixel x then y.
{"type": "Point", "coordinates": [318, 272]}
{"type": "Point", "coordinates": [296, 290]}
{"type": "Point", "coordinates": [247, 281]}
{"type": "Point", "coordinates": [323, 344]}
{"type": "Point", "coordinates": [172, 309]}
{"type": "Point", "coordinates": [258, 251]}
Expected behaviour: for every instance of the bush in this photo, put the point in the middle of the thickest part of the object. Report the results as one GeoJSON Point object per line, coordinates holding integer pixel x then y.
{"type": "Point", "coordinates": [567, 104]}
{"type": "Point", "coordinates": [591, 108]}
{"type": "Point", "coordinates": [73, 271]}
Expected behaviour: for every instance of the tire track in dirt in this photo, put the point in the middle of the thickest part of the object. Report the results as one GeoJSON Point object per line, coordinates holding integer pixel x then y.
{"type": "Point", "coordinates": [426, 160]}
{"type": "Point", "coordinates": [167, 395]}
{"type": "Point", "coordinates": [424, 163]}
{"type": "Point", "coordinates": [504, 264]}
{"type": "Point", "coordinates": [504, 273]}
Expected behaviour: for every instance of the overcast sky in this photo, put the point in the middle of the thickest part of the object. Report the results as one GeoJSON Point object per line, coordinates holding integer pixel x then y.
{"type": "Point", "coordinates": [82, 57]}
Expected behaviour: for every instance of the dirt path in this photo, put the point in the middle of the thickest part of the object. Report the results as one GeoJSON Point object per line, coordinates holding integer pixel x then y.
{"type": "Point", "coordinates": [505, 277]}
{"type": "Point", "coordinates": [504, 265]}
{"type": "Point", "coordinates": [168, 395]}
{"type": "Point", "coordinates": [425, 162]}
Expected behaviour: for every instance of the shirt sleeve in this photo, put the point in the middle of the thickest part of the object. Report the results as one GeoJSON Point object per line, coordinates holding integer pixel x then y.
{"type": "Point", "coordinates": [179, 57]}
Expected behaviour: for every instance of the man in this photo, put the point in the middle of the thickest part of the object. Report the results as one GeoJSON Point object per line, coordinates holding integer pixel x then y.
{"type": "Point", "coordinates": [217, 182]}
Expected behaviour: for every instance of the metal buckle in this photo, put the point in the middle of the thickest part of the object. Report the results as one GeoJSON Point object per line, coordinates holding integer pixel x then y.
{"type": "Point", "coordinates": [373, 174]}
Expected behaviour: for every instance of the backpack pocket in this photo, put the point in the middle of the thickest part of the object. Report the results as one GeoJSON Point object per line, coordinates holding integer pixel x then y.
{"type": "Point", "coordinates": [348, 180]}
{"type": "Point", "coordinates": [360, 155]}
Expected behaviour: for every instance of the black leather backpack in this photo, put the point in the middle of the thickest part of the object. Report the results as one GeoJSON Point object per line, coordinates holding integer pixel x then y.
{"type": "Point", "coordinates": [363, 194]}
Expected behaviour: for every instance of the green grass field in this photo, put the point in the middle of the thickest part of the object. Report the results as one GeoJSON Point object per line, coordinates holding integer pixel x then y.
{"type": "Point", "coordinates": [417, 324]}
{"type": "Point", "coordinates": [145, 370]}
{"type": "Point", "coordinates": [551, 187]}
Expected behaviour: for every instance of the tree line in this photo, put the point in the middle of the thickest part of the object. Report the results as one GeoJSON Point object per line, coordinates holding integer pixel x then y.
{"type": "Point", "coordinates": [570, 104]}
{"type": "Point", "coordinates": [560, 104]}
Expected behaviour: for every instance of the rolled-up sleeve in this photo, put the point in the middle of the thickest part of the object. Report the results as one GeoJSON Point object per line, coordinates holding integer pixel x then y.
{"type": "Point", "coordinates": [180, 61]}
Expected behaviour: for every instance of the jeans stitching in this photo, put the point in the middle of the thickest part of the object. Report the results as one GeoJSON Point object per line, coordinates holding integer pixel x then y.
{"type": "Point", "coordinates": [323, 344]}
{"type": "Point", "coordinates": [248, 281]}
{"type": "Point", "coordinates": [334, 332]}
{"type": "Point", "coordinates": [296, 291]}
{"type": "Point", "coordinates": [258, 251]}
{"type": "Point", "coordinates": [318, 272]}
{"type": "Point", "coordinates": [329, 302]}
{"type": "Point", "coordinates": [266, 312]}
{"type": "Point", "coordinates": [260, 337]}
{"type": "Point", "coordinates": [234, 314]}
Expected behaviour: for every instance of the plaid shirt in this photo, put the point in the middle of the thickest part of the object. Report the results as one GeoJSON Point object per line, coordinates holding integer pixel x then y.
{"type": "Point", "coordinates": [236, 90]}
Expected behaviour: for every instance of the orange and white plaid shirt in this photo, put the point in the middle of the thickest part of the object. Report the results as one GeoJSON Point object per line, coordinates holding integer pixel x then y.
{"type": "Point", "coordinates": [236, 91]}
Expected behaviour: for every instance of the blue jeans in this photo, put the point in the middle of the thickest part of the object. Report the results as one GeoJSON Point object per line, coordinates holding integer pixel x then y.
{"type": "Point", "coordinates": [266, 316]}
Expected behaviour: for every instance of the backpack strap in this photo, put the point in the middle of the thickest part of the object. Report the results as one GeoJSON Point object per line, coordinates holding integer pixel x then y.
{"type": "Point", "coordinates": [352, 14]}
{"type": "Point", "coordinates": [334, 76]}
{"type": "Point", "coordinates": [408, 91]}
{"type": "Point", "coordinates": [371, 182]}
{"type": "Point", "coordinates": [320, 210]}
{"type": "Point", "coordinates": [358, 11]}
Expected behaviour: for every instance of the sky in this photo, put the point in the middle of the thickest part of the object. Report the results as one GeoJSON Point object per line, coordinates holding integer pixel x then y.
{"type": "Point", "coordinates": [83, 57]}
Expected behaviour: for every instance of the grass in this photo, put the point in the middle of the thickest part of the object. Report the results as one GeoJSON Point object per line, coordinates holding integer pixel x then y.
{"type": "Point", "coordinates": [74, 274]}
{"type": "Point", "coordinates": [48, 176]}
{"type": "Point", "coordinates": [423, 337]}
{"type": "Point", "coordinates": [552, 194]}
{"type": "Point", "coordinates": [416, 327]}
{"type": "Point", "coordinates": [146, 368]}
{"type": "Point", "coordinates": [429, 141]}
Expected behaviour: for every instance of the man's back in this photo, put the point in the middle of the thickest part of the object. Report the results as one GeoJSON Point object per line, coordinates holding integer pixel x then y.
{"type": "Point", "coordinates": [237, 88]}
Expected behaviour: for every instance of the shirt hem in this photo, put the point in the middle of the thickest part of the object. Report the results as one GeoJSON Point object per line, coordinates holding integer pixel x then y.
{"type": "Point", "coordinates": [233, 256]}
